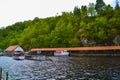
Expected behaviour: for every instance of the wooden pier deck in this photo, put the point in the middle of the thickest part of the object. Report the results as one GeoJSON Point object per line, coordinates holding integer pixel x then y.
{"type": "Point", "coordinates": [97, 48]}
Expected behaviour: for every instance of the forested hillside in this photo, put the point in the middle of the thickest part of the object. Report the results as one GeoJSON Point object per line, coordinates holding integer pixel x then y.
{"type": "Point", "coordinates": [92, 25]}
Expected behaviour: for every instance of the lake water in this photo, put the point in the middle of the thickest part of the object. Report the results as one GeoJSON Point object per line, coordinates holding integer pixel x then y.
{"type": "Point", "coordinates": [62, 68]}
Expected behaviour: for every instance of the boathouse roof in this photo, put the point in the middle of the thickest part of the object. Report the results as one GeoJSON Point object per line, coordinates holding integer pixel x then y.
{"type": "Point", "coordinates": [14, 48]}
{"type": "Point", "coordinates": [79, 48]}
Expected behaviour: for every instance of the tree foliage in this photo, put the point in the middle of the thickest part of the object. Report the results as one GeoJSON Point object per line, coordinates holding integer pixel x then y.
{"type": "Point", "coordinates": [82, 27]}
{"type": "Point", "coordinates": [100, 6]}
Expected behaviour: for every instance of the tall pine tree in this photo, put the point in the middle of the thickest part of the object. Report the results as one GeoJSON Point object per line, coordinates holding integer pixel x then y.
{"type": "Point", "coordinates": [100, 6]}
{"type": "Point", "coordinates": [117, 5]}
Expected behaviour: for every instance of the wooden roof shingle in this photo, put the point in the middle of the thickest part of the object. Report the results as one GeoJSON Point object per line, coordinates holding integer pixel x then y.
{"type": "Point", "coordinates": [11, 48]}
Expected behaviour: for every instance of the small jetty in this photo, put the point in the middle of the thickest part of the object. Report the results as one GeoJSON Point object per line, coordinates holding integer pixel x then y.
{"type": "Point", "coordinates": [1, 74]}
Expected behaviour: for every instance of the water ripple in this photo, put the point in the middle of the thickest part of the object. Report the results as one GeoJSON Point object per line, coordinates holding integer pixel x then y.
{"type": "Point", "coordinates": [63, 68]}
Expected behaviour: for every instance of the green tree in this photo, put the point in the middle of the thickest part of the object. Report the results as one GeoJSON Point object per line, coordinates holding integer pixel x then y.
{"type": "Point", "coordinates": [114, 23]}
{"type": "Point", "coordinates": [84, 11]}
{"type": "Point", "coordinates": [108, 10]}
{"type": "Point", "coordinates": [74, 42]}
{"type": "Point", "coordinates": [117, 7]}
{"type": "Point", "coordinates": [91, 9]}
{"type": "Point", "coordinates": [100, 6]}
{"type": "Point", "coordinates": [81, 27]}
{"type": "Point", "coordinates": [101, 28]}
{"type": "Point", "coordinates": [76, 11]}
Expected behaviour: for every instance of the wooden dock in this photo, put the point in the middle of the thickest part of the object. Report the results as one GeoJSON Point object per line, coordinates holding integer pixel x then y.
{"type": "Point", "coordinates": [97, 48]}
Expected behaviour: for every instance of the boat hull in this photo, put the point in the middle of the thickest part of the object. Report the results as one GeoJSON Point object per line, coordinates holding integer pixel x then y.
{"type": "Point", "coordinates": [19, 57]}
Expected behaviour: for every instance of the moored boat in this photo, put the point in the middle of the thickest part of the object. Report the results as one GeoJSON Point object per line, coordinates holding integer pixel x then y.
{"type": "Point", "coordinates": [61, 53]}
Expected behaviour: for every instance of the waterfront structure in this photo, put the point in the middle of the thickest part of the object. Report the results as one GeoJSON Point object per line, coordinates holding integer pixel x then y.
{"type": "Point", "coordinates": [88, 50]}
{"type": "Point", "coordinates": [12, 50]}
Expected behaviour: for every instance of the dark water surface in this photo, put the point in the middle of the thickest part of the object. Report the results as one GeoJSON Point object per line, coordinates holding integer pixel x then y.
{"type": "Point", "coordinates": [63, 68]}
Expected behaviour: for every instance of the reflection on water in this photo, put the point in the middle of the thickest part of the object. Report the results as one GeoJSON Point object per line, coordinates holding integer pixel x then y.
{"type": "Point", "coordinates": [63, 68]}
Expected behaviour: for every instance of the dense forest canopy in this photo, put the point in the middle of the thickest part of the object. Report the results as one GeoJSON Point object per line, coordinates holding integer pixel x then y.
{"type": "Point", "coordinates": [93, 25]}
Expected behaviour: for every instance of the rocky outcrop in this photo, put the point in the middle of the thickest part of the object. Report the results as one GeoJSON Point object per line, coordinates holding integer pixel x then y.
{"type": "Point", "coordinates": [116, 40]}
{"type": "Point", "coordinates": [88, 42]}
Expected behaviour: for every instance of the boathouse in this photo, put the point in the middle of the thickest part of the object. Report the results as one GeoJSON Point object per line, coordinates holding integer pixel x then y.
{"type": "Point", "coordinates": [12, 49]}
{"type": "Point", "coordinates": [87, 50]}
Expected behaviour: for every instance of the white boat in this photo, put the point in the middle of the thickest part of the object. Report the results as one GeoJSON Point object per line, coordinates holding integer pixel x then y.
{"type": "Point", "coordinates": [61, 53]}
{"type": "Point", "coordinates": [19, 56]}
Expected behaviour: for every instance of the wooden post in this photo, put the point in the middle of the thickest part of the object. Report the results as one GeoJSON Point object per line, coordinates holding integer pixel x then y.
{"type": "Point", "coordinates": [6, 75]}
{"type": "Point", "coordinates": [0, 73]}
